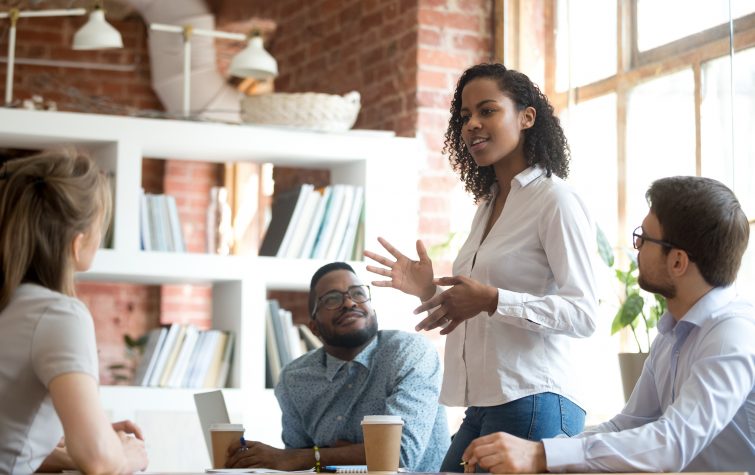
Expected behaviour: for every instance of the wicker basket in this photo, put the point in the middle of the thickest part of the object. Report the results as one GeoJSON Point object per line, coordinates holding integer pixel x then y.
{"type": "Point", "coordinates": [309, 110]}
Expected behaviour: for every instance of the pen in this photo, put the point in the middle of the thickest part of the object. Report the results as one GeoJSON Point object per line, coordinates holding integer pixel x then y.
{"type": "Point", "coordinates": [243, 443]}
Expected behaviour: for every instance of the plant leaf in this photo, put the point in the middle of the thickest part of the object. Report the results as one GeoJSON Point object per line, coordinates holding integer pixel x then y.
{"type": "Point", "coordinates": [656, 311]}
{"type": "Point", "coordinates": [130, 342]}
{"type": "Point", "coordinates": [628, 312]}
{"type": "Point", "coordinates": [662, 305]}
{"type": "Point", "coordinates": [604, 248]}
{"type": "Point", "coordinates": [628, 279]}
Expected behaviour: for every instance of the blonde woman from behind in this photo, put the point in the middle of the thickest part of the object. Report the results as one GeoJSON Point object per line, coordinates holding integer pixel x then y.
{"type": "Point", "coordinates": [53, 210]}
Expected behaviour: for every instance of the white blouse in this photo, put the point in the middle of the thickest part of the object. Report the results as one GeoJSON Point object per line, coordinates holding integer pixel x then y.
{"type": "Point", "coordinates": [539, 254]}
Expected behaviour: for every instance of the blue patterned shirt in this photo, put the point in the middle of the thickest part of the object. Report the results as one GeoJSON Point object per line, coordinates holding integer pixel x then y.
{"type": "Point", "coordinates": [323, 398]}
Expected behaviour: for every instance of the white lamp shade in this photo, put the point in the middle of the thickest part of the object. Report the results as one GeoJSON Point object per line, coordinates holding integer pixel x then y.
{"type": "Point", "coordinates": [254, 62]}
{"type": "Point", "coordinates": [97, 33]}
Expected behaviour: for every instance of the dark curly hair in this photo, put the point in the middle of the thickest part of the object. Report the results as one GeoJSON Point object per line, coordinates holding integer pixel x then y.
{"type": "Point", "coordinates": [544, 142]}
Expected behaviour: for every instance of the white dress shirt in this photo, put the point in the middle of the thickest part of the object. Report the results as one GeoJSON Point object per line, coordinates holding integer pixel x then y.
{"type": "Point", "coordinates": [539, 255]}
{"type": "Point", "coordinates": [693, 408]}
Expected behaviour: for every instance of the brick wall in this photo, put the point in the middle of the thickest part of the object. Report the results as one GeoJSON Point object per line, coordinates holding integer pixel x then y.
{"type": "Point", "coordinates": [336, 46]}
{"type": "Point", "coordinates": [108, 81]}
{"type": "Point", "coordinates": [118, 310]}
{"type": "Point", "coordinates": [452, 35]}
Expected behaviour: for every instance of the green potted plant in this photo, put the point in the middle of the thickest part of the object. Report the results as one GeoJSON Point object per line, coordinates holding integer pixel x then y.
{"type": "Point", "coordinates": [123, 373]}
{"type": "Point", "coordinates": [638, 310]}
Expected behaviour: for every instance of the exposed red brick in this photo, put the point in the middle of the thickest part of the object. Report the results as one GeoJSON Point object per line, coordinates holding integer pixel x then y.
{"type": "Point", "coordinates": [118, 310]}
{"type": "Point", "coordinates": [443, 58]}
{"type": "Point", "coordinates": [437, 225]}
{"type": "Point", "coordinates": [434, 4]}
{"type": "Point", "coordinates": [470, 42]}
{"type": "Point", "coordinates": [445, 19]}
{"type": "Point", "coordinates": [434, 100]}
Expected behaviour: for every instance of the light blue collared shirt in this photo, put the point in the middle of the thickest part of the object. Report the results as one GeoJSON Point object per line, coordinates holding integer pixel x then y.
{"type": "Point", "coordinates": [693, 408]}
{"type": "Point", "coordinates": [323, 399]}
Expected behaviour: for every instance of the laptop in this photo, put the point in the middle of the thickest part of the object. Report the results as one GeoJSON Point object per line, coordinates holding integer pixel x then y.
{"type": "Point", "coordinates": [211, 409]}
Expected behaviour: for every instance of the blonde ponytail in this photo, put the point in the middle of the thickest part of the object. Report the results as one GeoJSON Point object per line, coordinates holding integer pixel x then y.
{"type": "Point", "coordinates": [45, 201]}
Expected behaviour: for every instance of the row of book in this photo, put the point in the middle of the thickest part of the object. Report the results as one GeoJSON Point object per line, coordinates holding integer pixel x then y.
{"type": "Point", "coordinates": [182, 356]}
{"type": "Point", "coordinates": [160, 224]}
{"type": "Point", "coordinates": [284, 340]}
{"type": "Point", "coordinates": [324, 223]}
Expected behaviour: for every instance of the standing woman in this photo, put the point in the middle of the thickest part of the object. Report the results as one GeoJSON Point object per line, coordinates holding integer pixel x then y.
{"type": "Point", "coordinates": [523, 285]}
{"type": "Point", "coordinates": [53, 210]}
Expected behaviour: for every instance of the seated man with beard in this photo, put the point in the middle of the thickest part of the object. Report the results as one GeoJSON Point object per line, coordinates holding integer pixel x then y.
{"type": "Point", "coordinates": [358, 371]}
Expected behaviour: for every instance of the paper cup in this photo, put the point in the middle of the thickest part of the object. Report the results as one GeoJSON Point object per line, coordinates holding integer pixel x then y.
{"type": "Point", "coordinates": [223, 435]}
{"type": "Point", "coordinates": [382, 442]}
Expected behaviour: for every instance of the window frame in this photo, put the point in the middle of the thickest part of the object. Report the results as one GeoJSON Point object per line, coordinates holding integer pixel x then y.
{"type": "Point", "coordinates": [633, 67]}
{"type": "Point", "coordinates": [682, 45]}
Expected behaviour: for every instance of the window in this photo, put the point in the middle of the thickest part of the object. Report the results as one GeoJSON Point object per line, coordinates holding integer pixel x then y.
{"type": "Point", "coordinates": [660, 22]}
{"type": "Point", "coordinates": [726, 133]}
{"type": "Point", "coordinates": [585, 42]}
{"type": "Point", "coordinates": [591, 130]}
{"type": "Point", "coordinates": [645, 89]}
{"type": "Point", "coordinates": [660, 137]}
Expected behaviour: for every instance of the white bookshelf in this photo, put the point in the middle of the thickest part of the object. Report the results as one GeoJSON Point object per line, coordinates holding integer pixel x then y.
{"type": "Point", "coordinates": [385, 165]}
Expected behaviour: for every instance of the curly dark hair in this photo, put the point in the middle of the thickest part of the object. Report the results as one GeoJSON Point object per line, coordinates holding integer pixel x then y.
{"type": "Point", "coordinates": [544, 142]}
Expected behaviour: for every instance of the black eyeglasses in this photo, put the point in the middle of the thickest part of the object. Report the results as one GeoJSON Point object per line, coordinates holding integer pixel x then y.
{"type": "Point", "coordinates": [334, 299]}
{"type": "Point", "coordinates": [639, 238]}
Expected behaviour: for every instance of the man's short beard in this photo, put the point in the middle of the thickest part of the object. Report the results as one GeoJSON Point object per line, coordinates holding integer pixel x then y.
{"type": "Point", "coordinates": [668, 291]}
{"type": "Point", "coordinates": [354, 339]}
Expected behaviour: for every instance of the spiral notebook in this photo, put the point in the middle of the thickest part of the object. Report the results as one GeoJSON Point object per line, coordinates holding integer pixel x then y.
{"type": "Point", "coordinates": [351, 469]}
{"type": "Point", "coordinates": [345, 469]}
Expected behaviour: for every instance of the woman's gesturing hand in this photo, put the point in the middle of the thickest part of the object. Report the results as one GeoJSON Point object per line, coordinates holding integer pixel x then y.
{"type": "Point", "coordinates": [411, 277]}
{"type": "Point", "coordinates": [465, 299]}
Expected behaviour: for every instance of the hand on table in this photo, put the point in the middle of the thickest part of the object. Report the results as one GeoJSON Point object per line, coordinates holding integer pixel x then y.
{"type": "Point", "coordinates": [257, 454]}
{"type": "Point", "coordinates": [134, 450]}
{"type": "Point", "coordinates": [504, 453]}
{"type": "Point", "coordinates": [128, 427]}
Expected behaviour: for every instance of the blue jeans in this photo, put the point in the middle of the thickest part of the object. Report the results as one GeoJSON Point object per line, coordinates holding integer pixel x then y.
{"type": "Point", "coordinates": [533, 417]}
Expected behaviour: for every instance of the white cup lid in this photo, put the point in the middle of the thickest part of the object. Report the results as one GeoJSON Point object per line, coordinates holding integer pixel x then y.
{"type": "Point", "coordinates": [221, 426]}
{"type": "Point", "coordinates": [382, 419]}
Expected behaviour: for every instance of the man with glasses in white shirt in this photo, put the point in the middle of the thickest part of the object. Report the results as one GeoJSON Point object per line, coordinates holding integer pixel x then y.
{"type": "Point", "coordinates": [693, 408]}
{"type": "Point", "coordinates": [359, 371]}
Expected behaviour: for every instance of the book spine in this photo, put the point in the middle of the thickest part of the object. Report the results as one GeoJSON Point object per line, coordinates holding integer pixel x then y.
{"type": "Point", "coordinates": [329, 223]}
{"type": "Point", "coordinates": [316, 226]}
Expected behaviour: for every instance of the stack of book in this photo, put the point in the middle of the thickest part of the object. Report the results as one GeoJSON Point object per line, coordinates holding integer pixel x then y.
{"type": "Point", "coordinates": [285, 341]}
{"type": "Point", "coordinates": [182, 356]}
{"type": "Point", "coordinates": [160, 224]}
{"type": "Point", "coordinates": [309, 223]}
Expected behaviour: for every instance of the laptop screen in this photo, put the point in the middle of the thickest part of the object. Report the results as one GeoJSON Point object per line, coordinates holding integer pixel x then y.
{"type": "Point", "coordinates": [211, 409]}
